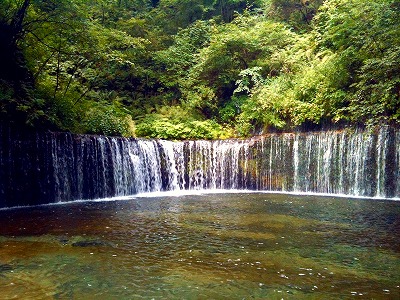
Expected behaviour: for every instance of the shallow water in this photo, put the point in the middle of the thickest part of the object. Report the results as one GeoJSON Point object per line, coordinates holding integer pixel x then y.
{"type": "Point", "coordinates": [212, 246]}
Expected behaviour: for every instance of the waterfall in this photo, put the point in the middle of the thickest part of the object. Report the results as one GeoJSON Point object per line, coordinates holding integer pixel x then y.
{"type": "Point", "coordinates": [55, 167]}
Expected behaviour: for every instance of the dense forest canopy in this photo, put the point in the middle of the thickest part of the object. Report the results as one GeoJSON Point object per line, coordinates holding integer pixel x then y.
{"type": "Point", "coordinates": [198, 68]}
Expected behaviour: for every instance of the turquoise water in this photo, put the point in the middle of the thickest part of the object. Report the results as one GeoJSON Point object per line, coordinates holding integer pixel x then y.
{"type": "Point", "coordinates": [211, 246]}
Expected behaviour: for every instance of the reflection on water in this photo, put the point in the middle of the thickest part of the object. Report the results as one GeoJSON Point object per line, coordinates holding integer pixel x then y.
{"type": "Point", "coordinates": [216, 246]}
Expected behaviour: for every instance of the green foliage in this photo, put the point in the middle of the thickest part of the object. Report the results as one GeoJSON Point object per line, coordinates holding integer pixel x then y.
{"type": "Point", "coordinates": [232, 109]}
{"type": "Point", "coordinates": [198, 68]}
{"type": "Point", "coordinates": [367, 36]}
{"type": "Point", "coordinates": [378, 100]}
{"type": "Point", "coordinates": [298, 13]}
{"type": "Point", "coordinates": [108, 120]}
{"type": "Point", "coordinates": [175, 61]}
{"type": "Point", "coordinates": [248, 79]}
{"type": "Point", "coordinates": [346, 69]}
{"type": "Point", "coordinates": [6, 96]}
{"type": "Point", "coordinates": [237, 51]}
{"type": "Point", "coordinates": [266, 107]}
{"type": "Point", "coordinates": [176, 124]}
{"type": "Point", "coordinates": [321, 88]}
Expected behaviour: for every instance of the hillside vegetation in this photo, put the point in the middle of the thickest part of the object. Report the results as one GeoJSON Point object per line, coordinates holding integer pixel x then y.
{"type": "Point", "coordinates": [191, 69]}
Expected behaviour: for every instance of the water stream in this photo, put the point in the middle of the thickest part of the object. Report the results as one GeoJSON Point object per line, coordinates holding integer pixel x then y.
{"type": "Point", "coordinates": [58, 167]}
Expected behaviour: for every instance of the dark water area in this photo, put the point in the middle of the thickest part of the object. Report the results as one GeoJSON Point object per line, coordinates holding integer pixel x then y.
{"type": "Point", "coordinates": [210, 246]}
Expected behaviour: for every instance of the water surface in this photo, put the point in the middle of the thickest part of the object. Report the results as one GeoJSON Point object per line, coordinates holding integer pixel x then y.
{"type": "Point", "coordinates": [212, 246]}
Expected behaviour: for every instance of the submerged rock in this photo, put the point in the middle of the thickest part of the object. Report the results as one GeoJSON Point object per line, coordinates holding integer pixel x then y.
{"type": "Point", "coordinates": [89, 244]}
{"type": "Point", "coordinates": [5, 268]}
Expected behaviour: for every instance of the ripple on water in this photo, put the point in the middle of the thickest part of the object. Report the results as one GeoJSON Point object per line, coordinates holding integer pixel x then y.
{"type": "Point", "coordinates": [263, 246]}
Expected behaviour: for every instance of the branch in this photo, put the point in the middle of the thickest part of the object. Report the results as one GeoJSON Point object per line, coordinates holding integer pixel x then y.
{"type": "Point", "coordinates": [51, 47]}
{"type": "Point", "coordinates": [47, 20]}
{"type": "Point", "coordinates": [41, 18]}
{"type": "Point", "coordinates": [83, 95]}
{"type": "Point", "coordinates": [43, 66]}
{"type": "Point", "coordinates": [70, 79]}
{"type": "Point", "coordinates": [57, 72]}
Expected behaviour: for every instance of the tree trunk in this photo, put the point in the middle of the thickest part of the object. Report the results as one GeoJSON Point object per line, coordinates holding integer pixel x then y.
{"type": "Point", "coordinates": [18, 21]}
{"type": "Point", "coordinates": [13, 65]}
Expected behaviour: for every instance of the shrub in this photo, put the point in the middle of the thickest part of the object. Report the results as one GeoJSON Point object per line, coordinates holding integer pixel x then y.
{"type": "Point", "coordinates": [108, 120]}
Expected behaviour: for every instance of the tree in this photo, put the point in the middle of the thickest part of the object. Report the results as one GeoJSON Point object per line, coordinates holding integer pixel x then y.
{"type": "Point", "coordinates": [13, 65]}
{"type": "Point", "coordinates": [365, 35]}
{"type": "Point", "coordinates": [298, 13]}
{"type": "Point", "coordinates": [92, 66]}
{"type": "Point", "coordinates": [248, 42]}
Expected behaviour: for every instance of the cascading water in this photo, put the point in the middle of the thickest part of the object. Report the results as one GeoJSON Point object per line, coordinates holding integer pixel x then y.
{"type": "Point", "coordinates": [54, 167]}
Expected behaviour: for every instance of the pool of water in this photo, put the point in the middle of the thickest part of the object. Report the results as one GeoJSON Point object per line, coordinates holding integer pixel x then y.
{"type": "Point", "coordinates": [211, 246]}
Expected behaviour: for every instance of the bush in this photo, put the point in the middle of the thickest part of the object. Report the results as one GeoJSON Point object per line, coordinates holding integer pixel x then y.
{"type": "Point", "coordinates": [108, 120]}
{"type": "Point", "coordinates": [170, 124]}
